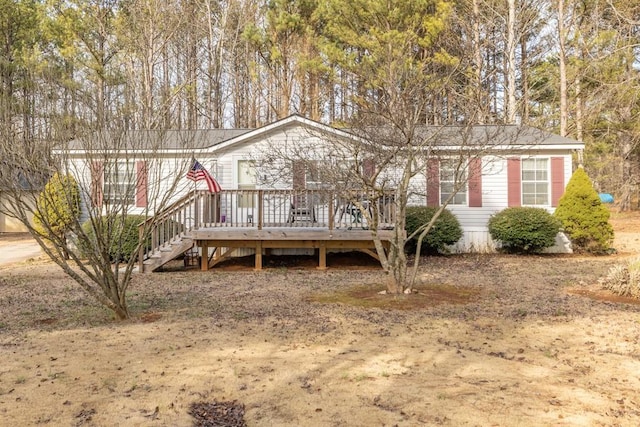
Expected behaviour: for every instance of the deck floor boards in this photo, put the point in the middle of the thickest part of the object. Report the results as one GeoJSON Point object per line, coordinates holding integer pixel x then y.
{"type": "Point", "coordinates": [320, 238]}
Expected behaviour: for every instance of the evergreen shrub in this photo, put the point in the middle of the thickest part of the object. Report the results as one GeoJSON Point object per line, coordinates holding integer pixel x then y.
{"type": "Point", "coordinates": [584, 218]}
{"type": "Point", "coordinates": [445, 231]}
{"type": "Point", "coordinates": [524, 229]}
{"type": "Point", "coordinates": [120, 234]}
{"type": "Point", "coordinates": [58, 206]}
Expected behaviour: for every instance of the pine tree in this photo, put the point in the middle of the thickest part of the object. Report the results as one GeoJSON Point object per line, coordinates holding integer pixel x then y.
{"type": "Point", "coordinates": [584, 218]}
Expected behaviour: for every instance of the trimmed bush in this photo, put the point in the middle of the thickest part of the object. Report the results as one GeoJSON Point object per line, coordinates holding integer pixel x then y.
{"type": "Point", "coordinates": [445, 231]}
{"type": "Point", "coordinates": [583, 216]}
{"type": "Point", "coordinates": [58, 206]}
{"type": "Point", "coordinates": [123, 238]}
{"type": "Point", "coordinates": [524, 229]}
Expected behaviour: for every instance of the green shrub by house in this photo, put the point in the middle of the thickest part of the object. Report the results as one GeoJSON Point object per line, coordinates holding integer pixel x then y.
{"type": "Point", "coordinates": [524, 229]}
{"type": "Point", "coordinates": [445, 231]}
{"type": "Point", "coordinates": [584, 218]}
{"type": "Point", "coordinates": [58, 207]}
{"type": "Point", "coordinates": [120, 234]}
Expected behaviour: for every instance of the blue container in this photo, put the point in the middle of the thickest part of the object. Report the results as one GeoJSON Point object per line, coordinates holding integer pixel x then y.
{"type": "Point", "coordinates": [606, 198]}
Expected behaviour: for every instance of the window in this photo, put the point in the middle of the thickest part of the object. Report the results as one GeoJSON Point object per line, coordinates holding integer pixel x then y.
{"type": "Point", "coordinates": [312, 176]}
{"type": "Point", "coordinates": [452, 174]}
{"type": "Point", "coordinates": [120, 183]}
{"type": "Point", "coordinates": [246, 181]}
{"type": "Point", "coordinates": [535, 181]}
{"type": "Point", "coordinates": [306, 174]}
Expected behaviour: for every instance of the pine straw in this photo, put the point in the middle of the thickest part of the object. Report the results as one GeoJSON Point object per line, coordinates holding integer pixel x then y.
{"type": "Point", "coordinates": [218, 414]}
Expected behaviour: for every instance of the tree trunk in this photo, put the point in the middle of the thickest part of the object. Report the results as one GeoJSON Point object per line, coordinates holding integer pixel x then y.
{"type": "Point", "coordinates": [562, 69]}
{"type": "Point", "coordinates": [477, 59]}
{"type": "Point", "coordinates": [511, 63]}
{"type": "Point", "coordinates": [524, 79]}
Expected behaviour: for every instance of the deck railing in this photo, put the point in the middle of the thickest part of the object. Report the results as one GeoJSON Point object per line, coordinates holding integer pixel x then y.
{"type": "Point", "coordinates": [269, 208]}
{"type": "Point", "coordinates": [293, 208]}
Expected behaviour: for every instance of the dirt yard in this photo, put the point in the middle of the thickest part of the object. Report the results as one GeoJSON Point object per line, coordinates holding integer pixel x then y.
{"type": "Point", "coordinates": [493, 340]}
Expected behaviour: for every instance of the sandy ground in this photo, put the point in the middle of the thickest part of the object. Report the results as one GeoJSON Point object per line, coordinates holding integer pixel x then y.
{"type": "Point", "coordinates": [531, 341]}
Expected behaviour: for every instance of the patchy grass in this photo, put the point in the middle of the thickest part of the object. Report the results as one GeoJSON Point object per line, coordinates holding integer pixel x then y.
{"type": "Point", "coordinates": [423, 297]}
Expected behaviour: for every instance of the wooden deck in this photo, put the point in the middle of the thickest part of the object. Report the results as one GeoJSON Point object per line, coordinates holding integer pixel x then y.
{"type": "Point", "coordinates": [219, 224]}
{"type": "Point", "coordinates": [224, 241]}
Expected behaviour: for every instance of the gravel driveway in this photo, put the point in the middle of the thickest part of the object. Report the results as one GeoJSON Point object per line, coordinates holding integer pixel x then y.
{"type": "Point", "coordinates": [17, 247]}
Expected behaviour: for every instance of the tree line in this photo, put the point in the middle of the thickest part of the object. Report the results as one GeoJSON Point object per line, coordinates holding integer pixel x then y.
{"type": "Point", "coordinates": [72, 66]}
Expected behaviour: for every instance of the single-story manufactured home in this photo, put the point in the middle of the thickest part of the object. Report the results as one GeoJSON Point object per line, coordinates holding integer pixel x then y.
{"type": "Point", "coordinates": [300, 184]}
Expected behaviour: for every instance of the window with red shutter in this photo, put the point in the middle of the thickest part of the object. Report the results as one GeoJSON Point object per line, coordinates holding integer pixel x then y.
{"type": "Point", "coordinates": [433, 182]}
{"type": "Point", "coordinates": [475, 183]}
{"type": "Point", "coordinates": [514, 186]}
{"type": "Point", "coordinates": [557, 179]}
{"type": "Point", "coordinates": [141, 184]}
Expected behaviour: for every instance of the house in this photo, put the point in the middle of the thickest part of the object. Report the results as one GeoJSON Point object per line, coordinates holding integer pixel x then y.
{"type": "Point", "coordinates": [27, 184]}
{"type": "Point", "coordinates": [502, 166]}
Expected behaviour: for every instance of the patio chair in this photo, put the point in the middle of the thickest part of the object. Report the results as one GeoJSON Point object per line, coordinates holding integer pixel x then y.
{"type": "Point", "coordinates": [302, 209]}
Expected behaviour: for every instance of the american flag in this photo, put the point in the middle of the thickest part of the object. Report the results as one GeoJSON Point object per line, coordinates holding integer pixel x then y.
{"type": "Point", "coordinates": [198, 173]}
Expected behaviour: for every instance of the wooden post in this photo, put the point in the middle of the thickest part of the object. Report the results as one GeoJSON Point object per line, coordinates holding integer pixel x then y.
{"type": "Point", "coordinates": [142, 249]}
{"type": "Point", "coordinates": [258, 255]}
{"type": "Point", "coordinates": [196, 214]}
{"type": "Point", "coordinates": [260, 207]}
{"type": "Point", "coordinates": [332, 213]}
{"type": "Point", "coordinates": [204, 259]}
{"type": "Point", "coordinates": [322, 256]}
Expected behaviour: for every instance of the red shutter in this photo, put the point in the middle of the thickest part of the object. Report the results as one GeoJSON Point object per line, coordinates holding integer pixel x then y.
{"type": "Point", "coordinates": [299, 180]}
{"type": "Point", "coordinates": [97, 178]}
{"type": "Point", "coordinates": [141, 184]}
{"type": "Point", "coordinates": [433, 182]}
{"type": "Point", "coordinates": [557, 179]}
{"type": "Point", "coordinates": [514, 179]}
{"type": "Point", "coordinates": [368, 168]}
{"type": "Point", "coordinates": [475, 183]}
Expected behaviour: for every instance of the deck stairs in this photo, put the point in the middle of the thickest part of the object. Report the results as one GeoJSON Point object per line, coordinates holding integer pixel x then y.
{"type": "Point", "coordinates": [173, 249]}
{"type": "Point", "coordinates": [170, 233]}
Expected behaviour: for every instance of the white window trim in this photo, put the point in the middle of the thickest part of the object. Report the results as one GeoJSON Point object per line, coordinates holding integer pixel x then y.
{"type": "Point", "coordinates": [523, 181]}
{"type": "Point", "coordinates": [236, 170]}
{"type": "Point", "coordinates": [464, 189]}
{"type": "Point", "coordinates": [131, 169]}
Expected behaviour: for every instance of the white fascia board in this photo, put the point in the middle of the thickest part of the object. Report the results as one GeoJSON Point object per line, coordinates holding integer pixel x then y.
{"type": "Point", "coordinates": [281, 124]}
{"type": "Point", "coordinates": [515, 147]}
{"type": "Point", "coordinates": [173, 151]}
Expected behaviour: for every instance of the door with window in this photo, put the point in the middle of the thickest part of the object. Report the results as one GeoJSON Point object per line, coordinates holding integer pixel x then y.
{"type": "Point", "coordinates": [246, 202]}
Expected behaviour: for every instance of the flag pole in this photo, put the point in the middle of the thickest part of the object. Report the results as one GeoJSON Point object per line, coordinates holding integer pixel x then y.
{"type": "Point", "coordinates": [195, 194]}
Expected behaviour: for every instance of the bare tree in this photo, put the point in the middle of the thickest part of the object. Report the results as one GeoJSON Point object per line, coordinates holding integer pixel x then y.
{"type": "Point", "coordinates": [120, 172]}
{"type": "Point", "coordinates": [511, 62]}
{"type": "Point", "coordinates": [386, 149]}
{"type": "Point", "coordinates": [562, 64]}
{"type": "Point", "coordinates": [122, 181]}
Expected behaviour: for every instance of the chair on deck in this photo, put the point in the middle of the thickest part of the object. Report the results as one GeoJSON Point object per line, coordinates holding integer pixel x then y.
{"type": "Point", "coordinates": [302, 209]}
{"type": "Point", "coordinates": [352, 214]}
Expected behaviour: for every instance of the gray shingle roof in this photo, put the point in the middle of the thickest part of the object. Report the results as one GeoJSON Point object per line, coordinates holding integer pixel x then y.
{"type": "Point", "coordinates": [439, 136]}
{"type": "Point", "coordinates": [155, 139]}
{"type": "Point", "coordinates": [470, 136]}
